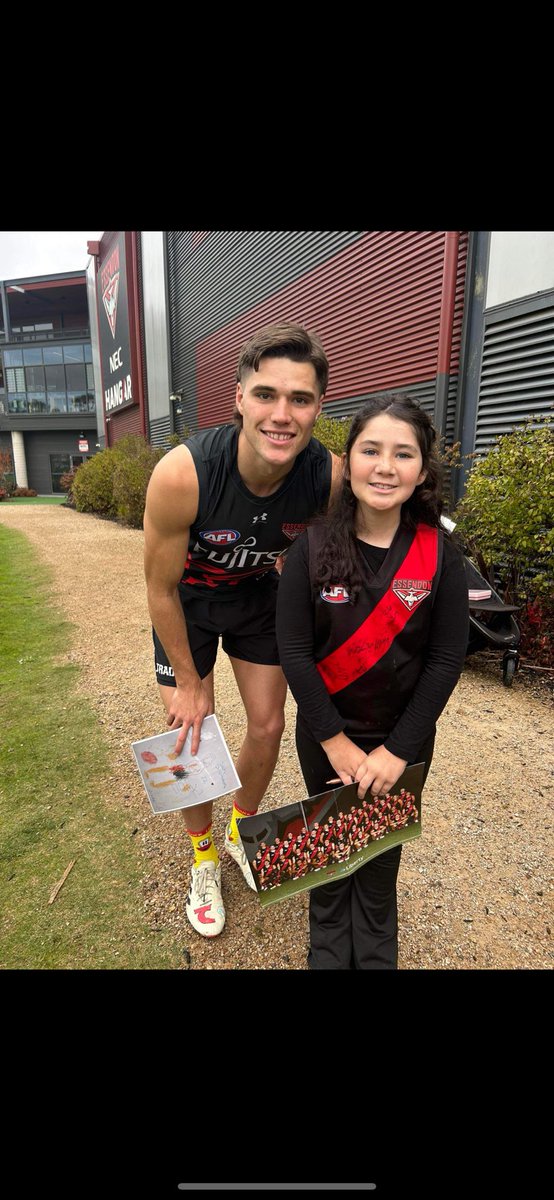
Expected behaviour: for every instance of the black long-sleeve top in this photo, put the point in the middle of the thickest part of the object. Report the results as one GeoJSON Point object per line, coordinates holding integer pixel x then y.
{"type": "Point", "coordinates": [444, 653]}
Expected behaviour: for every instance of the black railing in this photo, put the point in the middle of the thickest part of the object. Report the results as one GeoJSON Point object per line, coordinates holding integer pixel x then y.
{"type": "Point", "coordinates": [48, 335]}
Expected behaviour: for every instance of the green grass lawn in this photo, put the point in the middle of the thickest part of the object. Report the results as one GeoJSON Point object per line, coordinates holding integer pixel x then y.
{"type": "Point", "coordinates": [35, 499]}
{"type": "Point", "coordinates": [57, 803]}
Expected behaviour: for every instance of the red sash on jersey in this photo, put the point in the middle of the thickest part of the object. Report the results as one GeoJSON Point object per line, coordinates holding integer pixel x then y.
{"type": "Point", "coordinates": [376, 634]}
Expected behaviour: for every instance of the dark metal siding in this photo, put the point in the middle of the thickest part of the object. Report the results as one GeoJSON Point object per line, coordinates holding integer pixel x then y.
{"type": "Point", "coordinates": [160, 431]}
{"type": "Point", "coordinates": [39, 447]}
{"type": "Point", "coordinates": [517, 370]}
{"type": "Point", "coordinates": [141, 328]}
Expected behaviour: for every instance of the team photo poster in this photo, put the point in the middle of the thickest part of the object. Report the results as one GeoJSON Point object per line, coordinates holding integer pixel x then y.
{"type": "Point", "coordinates": [324, 838]}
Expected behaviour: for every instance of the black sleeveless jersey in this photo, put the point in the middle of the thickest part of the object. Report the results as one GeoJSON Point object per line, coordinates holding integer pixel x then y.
{"type": "Point", "coordinates": [237, 536]}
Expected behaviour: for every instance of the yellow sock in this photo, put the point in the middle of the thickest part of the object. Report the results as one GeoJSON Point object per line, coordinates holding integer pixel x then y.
{"type": "Point", "coordinates": [233, 833]}
{"type": "Point", "coordinates": [203, 846]}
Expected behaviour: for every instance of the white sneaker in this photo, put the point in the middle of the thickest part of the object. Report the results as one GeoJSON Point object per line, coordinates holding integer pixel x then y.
{"type": "Point", "coordinates": [235, 850]}
{"type": "Point", "coordinates": [204, 906]}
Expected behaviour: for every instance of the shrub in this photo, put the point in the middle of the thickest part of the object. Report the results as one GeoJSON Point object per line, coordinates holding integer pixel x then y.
{"type": "Point", "coordinates": [3, 493]}
{"type": "Point", "coordinates": [7, 475]}
{"type": "Point", "coordinates": [507, 513]}
{"type": "Point", "coordinates": [536, 622]}
{"type": "Point", "coordinates": [135, 460]}
{"type": "Point", "coordinates": [23, 491]}
{"type": "Point", "coordinates": [66, 484]}
{"type": "Point", "coordinates": [93, 484]}
{"type": "Point", "coordinates": [506, 519]}
{"type": "Point", "coordinates": [177, 439]}
{"type": "Point", "coordinates": [332, 432]}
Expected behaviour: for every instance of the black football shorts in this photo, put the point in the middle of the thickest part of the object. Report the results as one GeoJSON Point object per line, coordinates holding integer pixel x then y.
{"type": "Point", "coordinates": [245, 623]}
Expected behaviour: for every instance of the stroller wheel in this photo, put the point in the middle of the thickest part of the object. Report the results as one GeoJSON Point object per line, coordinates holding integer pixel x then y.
{"type": "Point", "coordinates": [509, 668]}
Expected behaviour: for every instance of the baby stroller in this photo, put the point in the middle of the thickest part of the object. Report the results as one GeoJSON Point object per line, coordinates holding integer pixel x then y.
{"type": "Point", "coordinates": [491, 622]}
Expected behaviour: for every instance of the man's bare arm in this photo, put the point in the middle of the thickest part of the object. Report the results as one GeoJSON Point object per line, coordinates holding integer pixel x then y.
{"type": "Point", "coordinates": [337, 474]}
{"type": "Point", "coordinates": [171, 507]}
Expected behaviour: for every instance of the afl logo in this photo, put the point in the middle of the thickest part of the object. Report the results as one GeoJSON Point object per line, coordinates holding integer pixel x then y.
{"type": "Point", "coordinates": [220, 537]}
{"type": "Point", "coordinates": [335, 595]}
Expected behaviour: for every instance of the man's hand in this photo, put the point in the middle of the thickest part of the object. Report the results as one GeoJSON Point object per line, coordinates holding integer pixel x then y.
{"type": "Point", "coordinates": [188, 708]}
{"type": "Point", "coordinates": [379, 772]}
{"type": "Point", "coordinates": [345, 757]}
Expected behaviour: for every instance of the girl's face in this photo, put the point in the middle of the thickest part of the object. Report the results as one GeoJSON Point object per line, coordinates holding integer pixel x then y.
{"type": "Point", "coordinates": [385, 464]}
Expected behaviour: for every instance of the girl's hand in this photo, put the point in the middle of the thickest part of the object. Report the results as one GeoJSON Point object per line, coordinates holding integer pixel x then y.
{"type": "Point", "coordinates": [379, 772]}
{"type": "Point", "coordinates": [345, 757]}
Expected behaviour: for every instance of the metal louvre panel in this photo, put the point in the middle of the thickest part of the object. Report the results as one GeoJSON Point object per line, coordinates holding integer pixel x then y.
{"type": "Point", "coordinates": [517, 373]}
{"type": "Point", "coordinates": [459, 303]}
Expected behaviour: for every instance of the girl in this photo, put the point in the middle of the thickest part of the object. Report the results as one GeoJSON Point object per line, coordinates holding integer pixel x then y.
{"type": "Point", "coordinates": [373, 651]}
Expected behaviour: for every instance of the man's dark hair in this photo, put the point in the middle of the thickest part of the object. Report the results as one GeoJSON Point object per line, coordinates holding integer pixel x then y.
{"type": "Point", "coordinates": [285, 339]}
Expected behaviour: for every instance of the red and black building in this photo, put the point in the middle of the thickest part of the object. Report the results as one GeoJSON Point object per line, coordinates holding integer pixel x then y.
{"type": "Point", "coordinates": [396, 310]}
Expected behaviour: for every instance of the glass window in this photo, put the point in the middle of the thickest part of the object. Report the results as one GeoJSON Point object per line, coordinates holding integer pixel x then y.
{"type": "Point", "coordinates": [35, 379]}
{"type": "Point", "coordinates": [52, 354]}
{"type": "Point", "coordinates": [73, 354]}
{"type": "Point", "coordinates": [90, 377]}
{"type": "Point", "coordinates": [88, 353]}
{"type": "Point", "coordinates": [13, 358]}
{"type": "Point", "coordinates": [18, 403]}
{"type": "Point", "coordinates": [55, 379]}
{"type": "Point", "coordinates": [77, 402]}
{"type": "Point", "coordinates": [57, 402]}
{"type": "Point", "coordinates": [37, 402]}
{"type": "Point", "coordinates": [15, 379]}
{"type": "Point", "coordinates": [32, 356]}
{"type": "Point", "coordinates": [76, 378]}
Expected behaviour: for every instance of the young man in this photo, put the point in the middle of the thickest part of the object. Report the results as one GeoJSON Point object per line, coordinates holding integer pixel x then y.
{"type": "Point", "coordinates": [220, 510]}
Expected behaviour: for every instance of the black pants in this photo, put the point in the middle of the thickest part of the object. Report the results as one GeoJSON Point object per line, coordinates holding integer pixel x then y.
{"type": "Point", "coordinates": [353, 923]}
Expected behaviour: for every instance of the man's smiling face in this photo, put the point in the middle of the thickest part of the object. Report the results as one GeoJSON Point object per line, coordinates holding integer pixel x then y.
{"type": "Point", "coordinates": [279, 404]}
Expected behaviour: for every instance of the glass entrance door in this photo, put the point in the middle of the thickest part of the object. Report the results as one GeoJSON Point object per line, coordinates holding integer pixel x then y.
{"type": "Point", "coordinates": [60, 464]}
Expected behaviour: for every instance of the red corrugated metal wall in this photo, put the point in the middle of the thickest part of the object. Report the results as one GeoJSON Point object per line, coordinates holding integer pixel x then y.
{"type": "Point", "coordinates": [126, 421]}
{"type": "Point", "coordinates": [376, 307]}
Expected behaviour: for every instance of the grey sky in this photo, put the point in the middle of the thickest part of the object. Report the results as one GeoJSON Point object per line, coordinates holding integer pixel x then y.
{"type": "Point", "coordinates": [42, 253]}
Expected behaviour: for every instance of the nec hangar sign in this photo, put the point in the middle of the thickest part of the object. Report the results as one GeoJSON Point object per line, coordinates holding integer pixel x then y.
{"type": "Point", "coordinates": [113, 324]}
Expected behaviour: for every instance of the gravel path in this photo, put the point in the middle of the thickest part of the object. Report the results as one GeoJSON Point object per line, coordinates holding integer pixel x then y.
{"type": "Point", "coordinates": [475, 892]}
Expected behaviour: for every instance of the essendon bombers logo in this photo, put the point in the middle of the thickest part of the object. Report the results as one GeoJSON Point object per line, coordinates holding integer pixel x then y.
{"type": "Point", "coordinates": [220, 537]}
{"type": "Point", "coordinates": [292, 531]}
{"type": "Point", "coordinates": [335, 594]}
{"type": "Point", "coordinates": [411, 591]}
{"type": "Point", "coordinates": [109, 296]}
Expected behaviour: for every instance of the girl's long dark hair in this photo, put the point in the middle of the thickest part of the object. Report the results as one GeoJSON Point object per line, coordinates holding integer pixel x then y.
{"type": "Point", "coordinates": [338, 557]}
